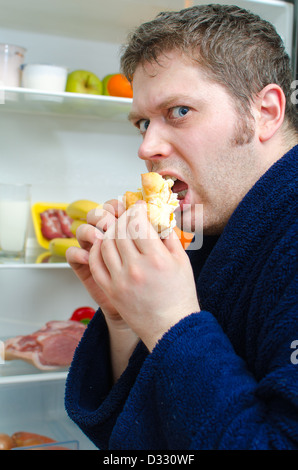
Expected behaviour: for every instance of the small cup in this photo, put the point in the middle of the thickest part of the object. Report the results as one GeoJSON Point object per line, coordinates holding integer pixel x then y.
{"type": "Point", "coordinates": [15, 201]}
{"type": "Point", "coordinates": [11, 59]}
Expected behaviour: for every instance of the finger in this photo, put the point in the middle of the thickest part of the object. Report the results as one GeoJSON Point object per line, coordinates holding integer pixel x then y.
{"type": "Point", "coordinates": [111, 256]}
{"type": "Point", "coordinates": [98, 267]}
{"type": "Point", "coordinates": [78, 260]}
{"type": "Point", "coordinates": [86, 235]}
{"type": "Point", "coordinates": [173, 243]}
{"type": "Point", "coordinates": [76, 256]}
{"type": "Point", "coordinates": [96, 214]}
{"type": "Point", "coordinates": [105, 220]}
{"type": "Point", "coordinates": [123, 239]}
{"type": "Point", "coordinates": [140, 229]}
{"type": "Point", "coordinates": [115, 207]}
{"type": "Point", "coordinates": [92, 216]}
{"type": "Point", "coordinates": [112, 208]}
{"type": "Point", "coordinates": [105, 216]}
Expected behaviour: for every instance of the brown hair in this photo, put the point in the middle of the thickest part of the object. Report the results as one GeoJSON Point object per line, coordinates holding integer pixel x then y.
{"type": "Point", "coordinates": [235, 47]}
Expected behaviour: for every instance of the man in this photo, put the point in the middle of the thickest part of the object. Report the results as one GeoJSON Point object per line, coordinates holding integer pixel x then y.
{"type": "Point", "coordinates": [195, 350]}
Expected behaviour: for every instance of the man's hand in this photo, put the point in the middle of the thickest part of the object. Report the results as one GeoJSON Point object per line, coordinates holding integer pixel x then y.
{"type": "Point", "coordinates": [98, 221]}
{"type": "Point", "coordinates": [149, 281]}
{"type": "Point", "coordinates": [122, 339]}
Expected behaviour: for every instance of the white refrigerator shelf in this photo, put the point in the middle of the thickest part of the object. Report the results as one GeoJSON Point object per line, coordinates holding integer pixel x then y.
{"type": "Point", "coordinates": [25, 100]}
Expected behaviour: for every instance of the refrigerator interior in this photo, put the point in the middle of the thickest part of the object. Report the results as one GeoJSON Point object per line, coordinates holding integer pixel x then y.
{"type": "Point", "coordinates": [67, 147]}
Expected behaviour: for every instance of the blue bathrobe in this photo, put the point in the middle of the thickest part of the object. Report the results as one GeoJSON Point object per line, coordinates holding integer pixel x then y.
{"type": "Point", "coordinates": [222, 378]}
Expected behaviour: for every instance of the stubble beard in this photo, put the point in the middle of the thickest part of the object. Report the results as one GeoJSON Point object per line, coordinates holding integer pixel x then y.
{"type": "Point", "coordinates": [193, 218]}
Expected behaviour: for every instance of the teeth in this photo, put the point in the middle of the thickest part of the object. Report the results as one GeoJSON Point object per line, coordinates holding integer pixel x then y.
{"type": "Point", "coordinates": [182, 194]}
{"type": "Point", "coordinates": [169, 177]}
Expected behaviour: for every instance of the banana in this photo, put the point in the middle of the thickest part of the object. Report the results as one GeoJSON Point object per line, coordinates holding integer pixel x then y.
{"type": "Point", "coordinates": [58, 246]}
{"type": "Point", "coordinates": [79, 209]}
{"type": "Point", "coordinates": [75, 224]}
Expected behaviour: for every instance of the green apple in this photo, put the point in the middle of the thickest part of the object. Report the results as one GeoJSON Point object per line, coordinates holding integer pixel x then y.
{"type": "Point", "coordinates": [82, 81]}
{"type": "Point", "coordinates": [105, 81]}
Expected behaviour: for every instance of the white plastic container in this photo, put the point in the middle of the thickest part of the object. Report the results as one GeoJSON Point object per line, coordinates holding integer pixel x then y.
{"type": "Point", "coordinates": [44, 77]}
{"type": "Point", "coordinates": [11, 59]}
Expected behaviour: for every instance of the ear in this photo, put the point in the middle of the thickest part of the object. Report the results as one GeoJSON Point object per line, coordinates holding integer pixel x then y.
{"type": "Point", "coordinates": [271, 104]}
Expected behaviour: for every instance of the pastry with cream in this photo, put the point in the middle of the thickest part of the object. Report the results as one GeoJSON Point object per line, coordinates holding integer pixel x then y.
{"type": "Point", "coordinates": [161, 201]}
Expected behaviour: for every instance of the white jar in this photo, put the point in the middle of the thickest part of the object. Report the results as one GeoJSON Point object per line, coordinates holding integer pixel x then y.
{"type": "Point", "coordinates": [11, 59]}
{"type": "Point", "coordinates": [44, 77]}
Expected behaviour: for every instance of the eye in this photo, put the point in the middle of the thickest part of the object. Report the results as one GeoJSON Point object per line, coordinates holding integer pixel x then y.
{"type": "Point", "coordinates": [143, 125]}
{"type": "Point", "coordinates": [179, 111]}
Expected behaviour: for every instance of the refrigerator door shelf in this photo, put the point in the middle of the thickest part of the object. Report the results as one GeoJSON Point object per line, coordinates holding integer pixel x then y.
{"type": "Point", "coordinates": [39, 408]}
{"type": "Point", "coordinates": [67, 445]}
{"type": "Point", "coordinates": [18, 372]}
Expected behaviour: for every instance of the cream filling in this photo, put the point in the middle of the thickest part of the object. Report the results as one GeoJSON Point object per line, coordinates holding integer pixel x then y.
{"type": "Point", "coordinates": [164, 198]}
{"type": "Point", "coordinates": [167, 202]}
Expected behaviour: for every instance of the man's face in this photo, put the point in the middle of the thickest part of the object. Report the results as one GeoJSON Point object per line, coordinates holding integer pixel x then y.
{"type": "Point", "coordinates": [191, 131]}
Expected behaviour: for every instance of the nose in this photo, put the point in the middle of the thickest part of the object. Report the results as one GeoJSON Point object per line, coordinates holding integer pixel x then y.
{"type": "Point", "coordinates": [156, 143]}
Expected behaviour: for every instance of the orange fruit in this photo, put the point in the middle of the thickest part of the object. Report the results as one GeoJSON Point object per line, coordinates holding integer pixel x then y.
{"type": "Point", "coordinates": [118, 85]}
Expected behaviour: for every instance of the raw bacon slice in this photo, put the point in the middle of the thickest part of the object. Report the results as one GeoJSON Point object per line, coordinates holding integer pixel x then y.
{"type": "Point", "coordinates": [49, 348]}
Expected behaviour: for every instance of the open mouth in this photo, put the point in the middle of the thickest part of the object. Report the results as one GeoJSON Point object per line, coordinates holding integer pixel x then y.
{"type": "Point", "coordinates": [179, 187]}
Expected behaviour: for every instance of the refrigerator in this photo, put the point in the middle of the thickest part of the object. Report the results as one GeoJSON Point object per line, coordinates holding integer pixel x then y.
{"type": "Point", "coordinates": [69, 147]}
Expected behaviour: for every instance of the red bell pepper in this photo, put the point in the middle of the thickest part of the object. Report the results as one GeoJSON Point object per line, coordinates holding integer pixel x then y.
{"type": "Point", "coordinates": [83, 314]}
